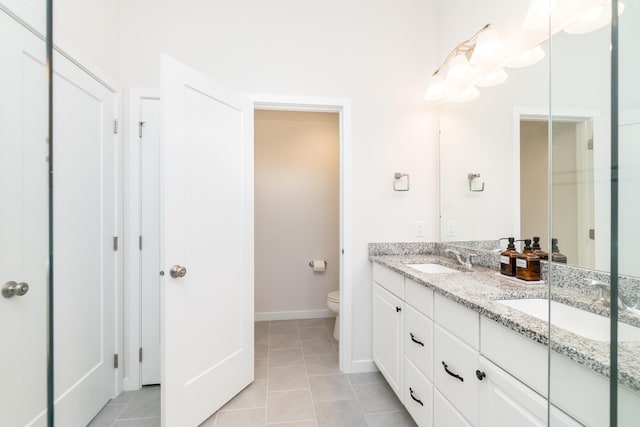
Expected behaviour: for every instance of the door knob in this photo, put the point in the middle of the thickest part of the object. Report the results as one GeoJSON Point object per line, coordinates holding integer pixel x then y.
{"type": "Point", "coordinates": [11, 289]}
{"type": "Point", "coordinates": [177, 271]}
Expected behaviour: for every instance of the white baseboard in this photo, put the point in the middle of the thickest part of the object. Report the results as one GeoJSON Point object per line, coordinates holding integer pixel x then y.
{"type": "Point", "coordinates": [289, 315]}
{"type": "Point", "coordinates": [358, 366]}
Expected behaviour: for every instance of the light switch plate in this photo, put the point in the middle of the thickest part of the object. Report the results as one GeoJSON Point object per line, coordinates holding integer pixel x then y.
{"type": "Point", "coordinates": [419, 228]}
{"type": "Point", "coordinates": [451, 228]}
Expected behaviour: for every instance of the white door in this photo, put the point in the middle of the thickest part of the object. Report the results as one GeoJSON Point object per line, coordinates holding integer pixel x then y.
{"type": "Point", "coordinates": [207, 217]}
{"type": "Point", "coordinates": [149, 133]}
{"type": "Point", "coordinates": [85, 262]}
{"type": "Point", "coordinates": [23, 225]}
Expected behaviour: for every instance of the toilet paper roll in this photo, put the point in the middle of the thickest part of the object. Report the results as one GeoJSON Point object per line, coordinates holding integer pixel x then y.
{"type": "Point", "coordinates": [318, 265]}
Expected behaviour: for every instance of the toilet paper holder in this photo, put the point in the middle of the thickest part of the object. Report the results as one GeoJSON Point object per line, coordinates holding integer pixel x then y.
{"type": "Point", "coordinates": [311, 264]}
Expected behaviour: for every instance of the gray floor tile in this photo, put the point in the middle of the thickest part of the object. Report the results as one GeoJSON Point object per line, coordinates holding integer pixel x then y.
{"type": "Point", "coordinates": [395, 419]}
{"type": "Point", "coordinates": [145, 404]}
{"type": "Point", "coordinates": [285, 358]}
{"type": "Point", "coordinates": [308, 323]}
{"type": "Point", "coordinates": [313, 333]}
{"type": "Point", "coordinates": [260, 369]}
{"type": "Point", "coordinates": [344, 413]}
{"type": "Point", "coordinates": [124, 397]}
{"type": "Point", "coordinates": [261, 326]}
{"type": "Point", "coordinates": [210, 422]}
{"type": "Point", "coordinates": [377, 398]}
{"type": "Point", "coordinates": [261, 351]}
{"type": "Point", "coordinates": [281, 341]}
{"type": "Point", "coordinates": [317, 347]}
{"type": "Point", "coordinates": [261, 337]}
{"type": "Point", "coordinates": [138, 422]}
{"type": "Point", "coordinates": [242, 418]}
{"type": "Point", "coordinates": [322, 365]}
{"type": "Point", "coordinates": [329, 324]}
{"type": "Point", "coordinates": [307, 423]}
{"type": "Point", "coordinates": [292, 378]}
{"type": "Point", "coordinates": [331, 388]}
{"type": "Point", "coordinates": [107, 415]}
{"type": "Point", "coordinates": [283, 327]}
{"type": "Point", "coordinates": [366, 378]}
{"type": "Point", "coordinates": [253, 396]}
{"type": "Point", "coordinates": [286, 406]}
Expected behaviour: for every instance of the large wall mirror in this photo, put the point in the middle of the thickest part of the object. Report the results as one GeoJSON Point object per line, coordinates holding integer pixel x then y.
{"type": "Point", "coordinates": [504, 136]}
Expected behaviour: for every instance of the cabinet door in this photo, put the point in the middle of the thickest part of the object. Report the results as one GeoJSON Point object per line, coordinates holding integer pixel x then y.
{"type": "Point", "coordinates": [418, 340]}
{"type": "Point", "coordinates": [445, 414]}
{"type": "Point", "coordinates": [506, 402]}
{"type": "Point", "coordinates": [387, 336]}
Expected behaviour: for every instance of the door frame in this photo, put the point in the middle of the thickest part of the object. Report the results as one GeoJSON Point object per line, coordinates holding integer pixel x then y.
{"type": "Point", "coordinates": [132, 309]}
{"type": "Point", "coordinates": [539, 114]}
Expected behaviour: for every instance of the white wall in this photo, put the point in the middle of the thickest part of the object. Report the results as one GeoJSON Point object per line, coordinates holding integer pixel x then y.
{"type": "Point", "coordinates": [377, 53]}
{"type": "Point", "coordinates": [297, 211]}
{"type": "Point", "coordinates": [90, 31]}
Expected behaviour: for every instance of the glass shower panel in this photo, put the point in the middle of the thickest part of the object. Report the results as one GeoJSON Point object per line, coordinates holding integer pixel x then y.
{"type": "Point", "coordinates": [628, 206]}
{"type": "Point", "coordinates": [580, 220]}
{"type": "Point", "coordinates": [24, 218]}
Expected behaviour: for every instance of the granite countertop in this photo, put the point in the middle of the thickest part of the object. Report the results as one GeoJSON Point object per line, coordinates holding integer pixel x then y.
{"type": "Point", "coordinates": [481, 288]}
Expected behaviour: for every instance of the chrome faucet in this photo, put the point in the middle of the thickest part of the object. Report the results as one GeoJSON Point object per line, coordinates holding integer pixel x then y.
{"type": "Point", "coordinates": [604, 296]}
{"type": "Point", "coordinates": [464, 260]}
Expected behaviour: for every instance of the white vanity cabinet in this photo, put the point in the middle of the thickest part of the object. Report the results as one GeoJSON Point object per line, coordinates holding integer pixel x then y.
{"type": "Point", "coordinates": [388, 327]}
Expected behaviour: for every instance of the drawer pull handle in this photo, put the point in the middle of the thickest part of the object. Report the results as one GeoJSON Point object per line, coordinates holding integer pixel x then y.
{"type": "Point", "coordinates": [446, 368]}
{"type": "Point", "coordinates": [398, 309]}
{"type": "Point", "coordinates": [415, 340]}
{"type": "Point", "coordinates": [415, 398]}
{"type": "Point", "coordinates": [481, 375]}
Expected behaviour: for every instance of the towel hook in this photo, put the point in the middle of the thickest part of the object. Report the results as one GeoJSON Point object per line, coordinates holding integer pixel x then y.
{"type": "Point", "coordinates": [471, 176]}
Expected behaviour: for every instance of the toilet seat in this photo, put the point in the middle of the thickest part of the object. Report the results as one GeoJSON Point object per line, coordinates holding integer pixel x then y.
{"type": "Point", "coordinates": [334, 296]}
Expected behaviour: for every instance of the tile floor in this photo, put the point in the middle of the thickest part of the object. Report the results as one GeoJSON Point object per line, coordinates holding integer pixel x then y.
{"type": "Point", "coordinates": [297, 384]}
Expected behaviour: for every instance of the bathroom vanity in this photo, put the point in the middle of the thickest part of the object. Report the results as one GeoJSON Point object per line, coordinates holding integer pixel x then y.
{"type": "Point", "coordinates": [457, 353]}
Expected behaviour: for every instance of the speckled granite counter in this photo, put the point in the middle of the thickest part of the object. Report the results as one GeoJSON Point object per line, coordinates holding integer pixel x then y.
{"type": "Point", "coordinates": [480, 289]}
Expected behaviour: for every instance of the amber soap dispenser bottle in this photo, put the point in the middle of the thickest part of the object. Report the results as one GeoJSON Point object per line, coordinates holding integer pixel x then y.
{"type": "Point", "coordinates": [528, 264]}
{"type": "Point", "coordinates": [538, 250]}
{"type": "Point", "coordinates": [508, 258]}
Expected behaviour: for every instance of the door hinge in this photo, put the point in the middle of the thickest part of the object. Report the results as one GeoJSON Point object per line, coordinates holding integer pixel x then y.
{"type": "Point", "coordinates": [140, 354]}
{"type": "Point", "coordinates": [140, 242]}
{"type": "Point", "coordinates": [590, 144]}
{"type": "Point", "coordinates": [115, 361]}
{"type": "Point", "coordinates": [592, 233]}
{"type": "Point", "coordinates": [140, 124]}
{"type": "Point", "coordinates": [115, 125]}
{"type": "Point", "coordinates": [115, 243]}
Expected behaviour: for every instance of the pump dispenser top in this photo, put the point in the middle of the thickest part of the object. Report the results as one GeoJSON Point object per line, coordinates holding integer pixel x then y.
{"type": "Point", "coordinates": [537, 249]}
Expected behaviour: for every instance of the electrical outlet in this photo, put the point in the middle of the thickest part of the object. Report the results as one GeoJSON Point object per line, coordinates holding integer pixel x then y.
{"type": "Point", "coordinates": [451, 228]}
{"type": "Point", "coordinates": [419, 228]}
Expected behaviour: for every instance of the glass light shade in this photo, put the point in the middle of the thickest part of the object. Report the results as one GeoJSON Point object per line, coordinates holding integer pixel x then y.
{"type": "Point", "coordinates": [437, 89]}
{"type": "Point", "coordinates": [487, 45]}
{"type": "Point", "coordinates": [494, 78]}
{"type": "Point", "coordinates": [467, 95]}
{"type": "Point", "coordinates": [528, 58]}
{"type": "Point", "coordinates": [596, 18]}
{"type": "Point", "coordinates": [538, 14]}
{"type": "Point", "coordinates": [458, 68]}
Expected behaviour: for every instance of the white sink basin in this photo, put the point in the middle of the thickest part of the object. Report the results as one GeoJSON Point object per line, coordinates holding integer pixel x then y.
{"type": "Point", "coordinates": [432, 268]}
{"type": "Point", "coordinates": [586, 324]}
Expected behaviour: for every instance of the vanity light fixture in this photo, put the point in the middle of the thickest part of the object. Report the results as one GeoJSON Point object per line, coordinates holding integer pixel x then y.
{"type": "Point", "coordinates": [528, 58]}
{"type": "Point", "coordinates": [494, 78]}
{"type": "Point", "coordinates": [479, 50]}
{"type": "Point", "coordinates": [594, 19]}
{"type": "Point", "coordinates": [538, 14]}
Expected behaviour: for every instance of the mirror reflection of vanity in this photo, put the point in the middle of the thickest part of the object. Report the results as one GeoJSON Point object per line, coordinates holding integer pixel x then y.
{"type": "Point", "coordinates": [504, 135]}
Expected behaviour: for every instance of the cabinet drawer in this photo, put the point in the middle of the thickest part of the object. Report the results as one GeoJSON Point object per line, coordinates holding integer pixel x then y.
{"type": "Point", "coordinates": [418, 395]}
{"type": "Point", "coordinates": [462, 322]}
{"type": "Point", "coordinates": [444, 414]}
{"type": "Point", "coordinates": [390, 280]}
{"type": "Point", "coordinates": [418, 340]}
{"type": "Point", "coordinates": [455, 365]}
{"type": "Point", "coordinates": [524, 359]}
{"type": "Point", "coordinates": [419, 296]}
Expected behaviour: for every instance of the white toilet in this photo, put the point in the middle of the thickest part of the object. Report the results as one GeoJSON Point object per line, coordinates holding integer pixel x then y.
{"type": "Point", "coordinates": [333, 302]}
